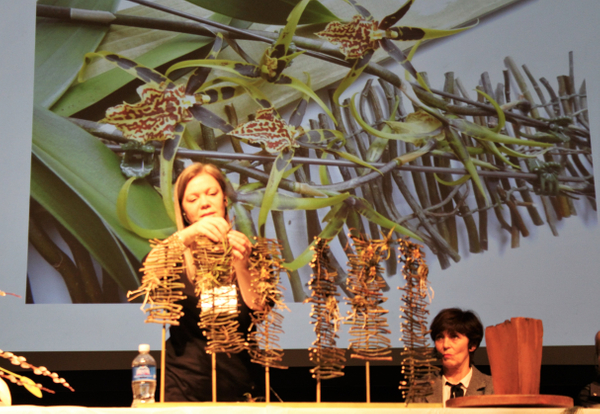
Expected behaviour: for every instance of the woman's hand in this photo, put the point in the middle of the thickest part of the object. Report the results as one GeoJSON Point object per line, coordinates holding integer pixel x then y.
{"type": "Point", "coordinates": [240, 247]}
{"type": "Point", "coordinates": [215, 228]}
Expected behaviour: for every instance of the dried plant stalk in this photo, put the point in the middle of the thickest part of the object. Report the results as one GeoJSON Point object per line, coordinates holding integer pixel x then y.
{"type": "Point", "coordinates": [218, 296]}
{"type": "Point", "coordinates": [161, 284]}
{"type": "Point", "coordinates": [266, 264]}
{"type": "Point", "coordinates": [417, 355]}
{"type": "Point", "coordinates": [329, 359]}
{"type": "Point", "coordinates": [22, 362]}
{"type": "Point", "coordinates": [366, 317]}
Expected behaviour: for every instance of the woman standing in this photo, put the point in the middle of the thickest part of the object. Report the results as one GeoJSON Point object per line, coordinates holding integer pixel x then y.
{"type": "Point", "coordinates": [457, 334]}
{"type": "Point", "coordinates": [201, 210]}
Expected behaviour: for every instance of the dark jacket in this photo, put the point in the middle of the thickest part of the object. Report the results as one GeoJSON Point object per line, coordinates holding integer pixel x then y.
{"type": "Point", "coordinates": [590, 395]}
{"type": "Point", "coordinates": [480, 384]}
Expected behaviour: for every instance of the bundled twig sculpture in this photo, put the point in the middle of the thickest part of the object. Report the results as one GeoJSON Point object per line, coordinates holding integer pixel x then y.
{"type": "Point", "coordinates": [161, 284]}
{"type": "Point", "coordinates": [369, 325]}
{"type": "Point", "coordinates": [218, 296]}
{"type": "Point", "coordinates": [367, 318]}
{"type": "Point", "coordinates": [266, 263]}
{"type": "Point", "coordinates": [329, 359]}
{"type": "Point", "coordinates": [417, 356]}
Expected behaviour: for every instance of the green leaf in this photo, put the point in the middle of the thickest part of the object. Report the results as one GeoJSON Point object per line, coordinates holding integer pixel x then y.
{"type": "Point", "coordinates": [378, 146]}
{"type": "Point", "coordinates": [503, 148]}
{"type": "Point", "coordinates": [416, 138]}
{"type": "Point", "coordinates": [167, 160]}
{"type": "Point", "coordinates": [491, 147]}
{"type": "Point", "coordinates": [283, 202]}
{"type": "Point", "coordinates": [460, 181]}
{"type": "Point", "coordinates": [279, 167]}
{"type": "Point", "coordinates": [499, 111]}
{"type": "Point", "coordinates": [366, 210]}
{"type": "Point", "coordinates": [92, 171]}
{"type": "Point", "coordinates": [245, 70]}
{"type": "Point", "coordinates": [82, 95]}
{"type": "Point", "coordinates": [286, 34]}
{"type": "Point", "coordinates": [347, 156]}
{"type": "Point", "coordinates": [334, 226]}
{"type": "Point", "coordinates": [77, 217]}
{"type": "Point", "coordinates": [459, 149]}
{"type": "Point", "coordinates": [437, 33]}
{"type": "Point", "coordinates": [267, 11]}
{"type": "Point", "coordinates": [352, 75]}
{"type": "Point", "coordinates": [305, 89]}
{"type": "Point", "coordinates": [126, 222]}
{"type": "Point", "coordinates": [243, 221]}
{"type": "Point", "coordinates": [478, 131]}
{"type": "Point", "coordinates": [60, 47]}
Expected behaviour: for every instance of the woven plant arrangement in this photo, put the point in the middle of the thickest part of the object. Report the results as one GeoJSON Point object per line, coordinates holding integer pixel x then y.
{"type": "Point", "coordinates": [367, 320]}
{"type": "Point", "coordinates": [266, 263]}
{"type": "Point", "coordinates": [417, 355]}
{"type": "Point", "coordinates": [161, 284]}
{"type": "Point", "coordinates": [218, 296]}
{"type": "Point", "coordinates": [325, 314]}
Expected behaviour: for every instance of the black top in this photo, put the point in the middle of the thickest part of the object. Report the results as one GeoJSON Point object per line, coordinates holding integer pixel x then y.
{"type": "Point", "coordinates": [188, 366]}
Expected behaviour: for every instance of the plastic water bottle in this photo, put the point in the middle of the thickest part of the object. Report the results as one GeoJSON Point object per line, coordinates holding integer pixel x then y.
{"type": "Point", "coordinates": [143, 381]}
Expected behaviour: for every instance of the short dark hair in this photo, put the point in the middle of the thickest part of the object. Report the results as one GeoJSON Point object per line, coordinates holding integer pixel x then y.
{"type": "Point", "coordinates": [456, 320]}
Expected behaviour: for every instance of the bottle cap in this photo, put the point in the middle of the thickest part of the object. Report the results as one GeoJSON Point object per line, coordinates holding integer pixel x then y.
{"type": "Point", "coordinates": [143, 348]}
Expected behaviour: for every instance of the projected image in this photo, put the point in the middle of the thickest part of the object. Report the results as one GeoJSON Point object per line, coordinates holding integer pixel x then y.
{"type": "Point", "coordinates": [121, 111]}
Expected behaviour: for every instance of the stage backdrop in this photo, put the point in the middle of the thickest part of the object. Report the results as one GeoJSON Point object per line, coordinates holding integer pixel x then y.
{"type": "Point", "coordinates": [553, 278]}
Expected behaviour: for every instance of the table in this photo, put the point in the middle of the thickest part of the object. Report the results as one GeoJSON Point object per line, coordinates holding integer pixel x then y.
{"type": "Point", "coordinates": [282, 408]}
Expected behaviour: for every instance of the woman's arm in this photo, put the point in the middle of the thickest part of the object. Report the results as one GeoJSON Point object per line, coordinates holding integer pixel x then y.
{"type": "Point", "coordinates": [216, 229]}
{"type": "Point", "coordinates": [240, 250]}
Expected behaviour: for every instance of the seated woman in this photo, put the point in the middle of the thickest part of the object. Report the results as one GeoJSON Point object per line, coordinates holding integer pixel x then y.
{"type": "Point", "coordinates": [457, 334]}
{"type": "Point", "coordinates": [201, 210]}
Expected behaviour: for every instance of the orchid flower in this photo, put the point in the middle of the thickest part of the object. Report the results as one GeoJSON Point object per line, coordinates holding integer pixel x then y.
{"type": "Point", "coordinates": [161, 114]}
{"type": "Point", "coordinates": [279, 138]}
{"type": "Point", "coordinates": [270, 68]}
{"type": "Point", "coordinates": [360, 38]}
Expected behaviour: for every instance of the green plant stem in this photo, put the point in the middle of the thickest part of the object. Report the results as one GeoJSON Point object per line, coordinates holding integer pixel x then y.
{"type": "Point", "coordinates": [214, 156]}
{"type": "Point", "coordinates": [110, 289]}
{"type": "Point", "coordinates": [294, 277]}
{"type": "Point", "coordinates": [57, 259]}
{"type": "Point", "coordinates": [83, 261]}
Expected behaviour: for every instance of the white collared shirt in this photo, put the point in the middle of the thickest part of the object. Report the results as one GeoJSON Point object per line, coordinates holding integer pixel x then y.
{"type": "Point", "coordinates": [464, 382]}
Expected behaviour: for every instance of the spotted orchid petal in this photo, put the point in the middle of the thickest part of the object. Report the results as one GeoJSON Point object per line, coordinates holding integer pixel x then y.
{"type": "Point", "coordinates": [156, 116]}
{"type": "Point", "coordinates": [354, 38]}
{"type": "Point", "coordinates": [268, 130]}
